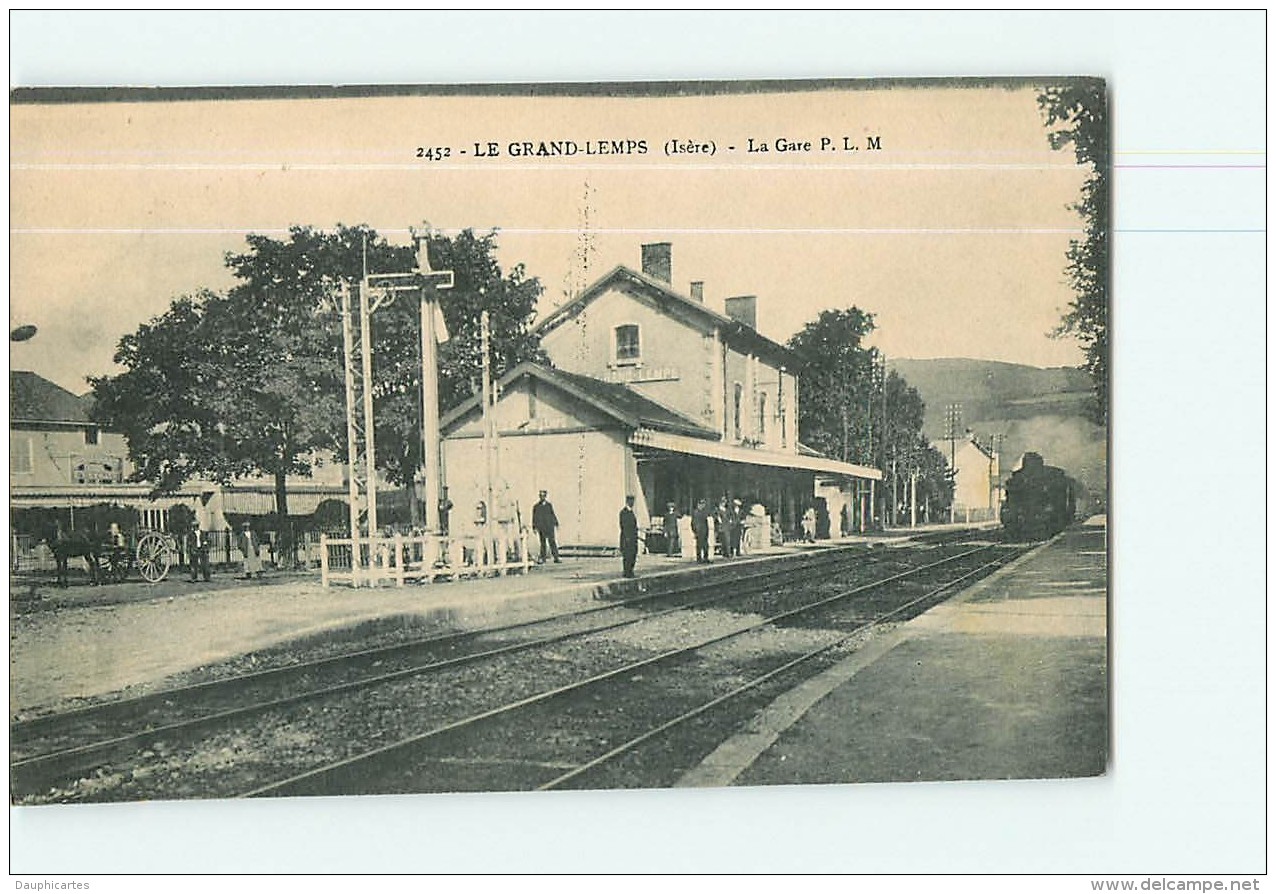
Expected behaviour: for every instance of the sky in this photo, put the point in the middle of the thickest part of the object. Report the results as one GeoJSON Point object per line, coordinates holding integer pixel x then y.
{"type": "Point", "coordinates": [953, 233]}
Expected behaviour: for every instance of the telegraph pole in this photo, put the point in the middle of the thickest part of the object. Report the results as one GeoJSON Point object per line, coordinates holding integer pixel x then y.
{"type": "Point", "coordinates": [375, 291]}
{"type": "Point", "coordinates": [431, 439]}
{"type": "Point", "coordinates": [489, 421]}
{"type": "Point", "coordinates": [994, 475]}
{"type": "Point", "coordinates": [912, 505]}
{"type": "Point", "coordinates": [952, 421]}
{"type": "Point", "coordinates": [877, 379]}
{"type": "Point", "coordinates": [888, 441]}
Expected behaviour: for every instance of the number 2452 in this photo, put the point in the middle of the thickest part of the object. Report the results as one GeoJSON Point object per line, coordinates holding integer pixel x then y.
{"type": "Point", "coordinates": [434, 153]}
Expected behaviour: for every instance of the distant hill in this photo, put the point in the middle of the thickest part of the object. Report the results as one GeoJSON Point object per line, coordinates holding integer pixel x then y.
{"type": "Point", "coordinates": [1044, 410]}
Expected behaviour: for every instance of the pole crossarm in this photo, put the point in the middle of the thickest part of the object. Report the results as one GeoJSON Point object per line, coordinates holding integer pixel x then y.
{"type": "Point", "coordinates": [378, 290]}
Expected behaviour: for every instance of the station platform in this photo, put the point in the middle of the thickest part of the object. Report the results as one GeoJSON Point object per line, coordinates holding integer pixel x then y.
{"type": "Point", "coordinates": [82, 642]}
{"type": "Point", "coordinates": [1008, 680]}
{"type": "Point", "coordinates": [87, 642]}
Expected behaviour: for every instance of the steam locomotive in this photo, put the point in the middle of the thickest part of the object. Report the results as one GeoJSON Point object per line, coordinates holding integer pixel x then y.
{"type": "Point", "coordinates": [1040, 500]}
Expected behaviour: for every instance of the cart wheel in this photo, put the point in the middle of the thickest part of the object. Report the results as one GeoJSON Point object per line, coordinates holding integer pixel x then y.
{"type": "Point", "coordinates": [153, 557]}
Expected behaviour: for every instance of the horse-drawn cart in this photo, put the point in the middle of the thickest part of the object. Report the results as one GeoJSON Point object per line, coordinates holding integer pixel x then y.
{"type": "Point", "coordinates": [114, 556]}
{"type": "Point", "coordinates": [152, 553]}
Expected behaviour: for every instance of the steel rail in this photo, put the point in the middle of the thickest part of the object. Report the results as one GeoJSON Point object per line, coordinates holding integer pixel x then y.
{"type": "Point", "coordinates": [44, 762]}
{"type": "Point", "coordinates": [279, 786]}
{"type": "Point", "coordinates": [632, 744]}
{"type": "Point", "coordinates": [28, 725]}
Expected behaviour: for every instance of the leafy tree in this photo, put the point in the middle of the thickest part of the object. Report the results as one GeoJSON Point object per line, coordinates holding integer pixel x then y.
{"type": "Point", "coordinates": [163, 402]}
{"type": "Point", "coordinates": [479, 284]}
{"type": "Point", "coordinates": [901, 450]}
{"type": "Point", "coordinates": [904, 451]}
{"type": "Point", "coordinates": [1077, 112]}
{"type": "Point", "coordinates": [836, 383]}
{"type": "Point", "coordinates": [252, 382]}
{"type": "Point", "coordinates": [934, 483]}
{"type": "Point", "coordinates": [850, 412]}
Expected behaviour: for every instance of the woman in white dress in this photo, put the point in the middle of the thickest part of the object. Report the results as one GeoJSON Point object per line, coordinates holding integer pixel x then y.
{"type": "Point", "coordinates": [249, 547]}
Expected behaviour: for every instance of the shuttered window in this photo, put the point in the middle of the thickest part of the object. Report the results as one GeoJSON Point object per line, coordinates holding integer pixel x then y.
{"type": "Point", "coordinates": [21, 456]}
{"type": "Point", "coordinates": [628, 348]}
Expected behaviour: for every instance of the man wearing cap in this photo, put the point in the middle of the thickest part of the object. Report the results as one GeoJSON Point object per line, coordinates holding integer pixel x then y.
{"type": "Point", "coordinates": [736, 517]}
{"type": "Point", "coordinates": [628, 537]}
{"type": "Point", "coordinates": [700, 529]}
{"type": "Point", "coordinates": [544, 521]}
{"type": "Point", "coordinates": [197, 552]}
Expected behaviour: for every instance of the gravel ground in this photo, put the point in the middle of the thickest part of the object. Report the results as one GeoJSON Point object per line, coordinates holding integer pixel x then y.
{"type": "Point", "coordinates": [75, 652]}
{"type": "Point", "coordinates": [83, 643]}
{"type": "Point", "coordinates": [205, 628]}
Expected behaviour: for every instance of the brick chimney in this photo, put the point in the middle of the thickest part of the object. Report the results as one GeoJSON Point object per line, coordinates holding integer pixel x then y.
{"type": "Point", "coordinates": [743, 309]}
{"type": "Point", "coordinates": [657, 261]}
{"type": "Point", "coordinates": [697, 291]}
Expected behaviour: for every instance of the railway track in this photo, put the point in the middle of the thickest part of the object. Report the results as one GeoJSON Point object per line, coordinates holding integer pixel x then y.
{"type": "Point", "coordinates": [137, 748]}
{"type": "Point", "coordinates": [45, 750]}
{"type": "Point", "coordinates": [543, 740]}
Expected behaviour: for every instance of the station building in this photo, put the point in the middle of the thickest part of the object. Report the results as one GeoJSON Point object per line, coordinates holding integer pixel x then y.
{"type": "Point", "coordinates": [648, 393]}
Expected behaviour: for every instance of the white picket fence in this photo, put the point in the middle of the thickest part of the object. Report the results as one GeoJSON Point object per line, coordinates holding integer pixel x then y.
{"type": "Point", "coordinates": [425, 558]}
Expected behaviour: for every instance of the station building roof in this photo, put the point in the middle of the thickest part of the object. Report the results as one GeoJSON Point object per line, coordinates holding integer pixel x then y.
{"type": "Point", "coordinates": [657, 427]}
{"type": "Point", "coordinates": [33, 398]}
{"type": "Point", "coordinates": [806, 460]}
{"type": "Point", "coordinates": [620, 402]}
{"type": "Point", "coordinates": [623, 277]}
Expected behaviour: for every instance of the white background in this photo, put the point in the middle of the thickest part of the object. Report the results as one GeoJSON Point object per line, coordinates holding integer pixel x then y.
{"type": "Point", "coordinates": [1187, 787]}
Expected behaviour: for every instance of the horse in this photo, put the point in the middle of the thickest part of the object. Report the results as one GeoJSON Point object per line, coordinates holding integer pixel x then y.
{"type": "Point", "coordinates": [88, 545]}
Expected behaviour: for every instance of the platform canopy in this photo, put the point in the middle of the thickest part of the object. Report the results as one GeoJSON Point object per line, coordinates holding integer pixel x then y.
{"type": "Point", "coordinates": [731, 453]}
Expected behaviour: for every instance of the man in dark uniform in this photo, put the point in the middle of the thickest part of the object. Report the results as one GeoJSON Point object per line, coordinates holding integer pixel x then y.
{"type": "Point", "coordinates": [445, 510]}
{"type": "Point", "coordinates": [628, 537]}
{"type": "Point", "coordinates": [700, 528]}
{"type": "Point", "coordinates": [736, 517]}
{"type": "Point", "coordinates": [728, 521]}
{"type": "Point", "coordinates": [544, 521]}
{"type": "Point", "coordinates": [197, 550]}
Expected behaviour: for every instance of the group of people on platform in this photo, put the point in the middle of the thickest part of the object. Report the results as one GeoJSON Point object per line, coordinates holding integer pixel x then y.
{"type": "Point", "coordinates": [545, 524]}
{"type": "Point", "coordinates": [726, 523]}
{"type": "Point", "coordinates": [722, 526]}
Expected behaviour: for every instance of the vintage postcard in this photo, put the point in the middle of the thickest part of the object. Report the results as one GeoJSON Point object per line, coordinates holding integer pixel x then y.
{"type": "Point", "coordinates": [541, 437]}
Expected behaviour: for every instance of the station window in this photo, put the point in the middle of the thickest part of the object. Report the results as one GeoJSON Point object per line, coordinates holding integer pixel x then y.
{"type": "Point", "coordinates": [628, 346]}
{"type": "Point", "coordinates": [91, 435]}
{"type": "Point", "coordinates": [21, 456]}
{"type": "Point", "coordinates": [739, 397]}
{"type": "Point", "coordinates": [762, 416]}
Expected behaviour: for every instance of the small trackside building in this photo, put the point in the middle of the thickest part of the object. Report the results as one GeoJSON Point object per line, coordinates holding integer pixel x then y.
{"type": "Point", "coordinates": [976, 471]}
{"type": "Point", "coordinates": [648, 393]}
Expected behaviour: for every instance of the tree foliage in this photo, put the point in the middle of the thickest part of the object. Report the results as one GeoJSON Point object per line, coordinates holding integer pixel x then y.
{"type": "Point", "coordinates": [905, 451]}
{"type": "Point", "coordinates": [850, 410]}
{"type": "Point", "coordinates": [479, 284]}
{"type": "Point", "coordinates": [251, 382]}
{"type": "Point", "coordinates": [1077, 116]}
{"type": "Point", "coordinates": [836, 383]}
